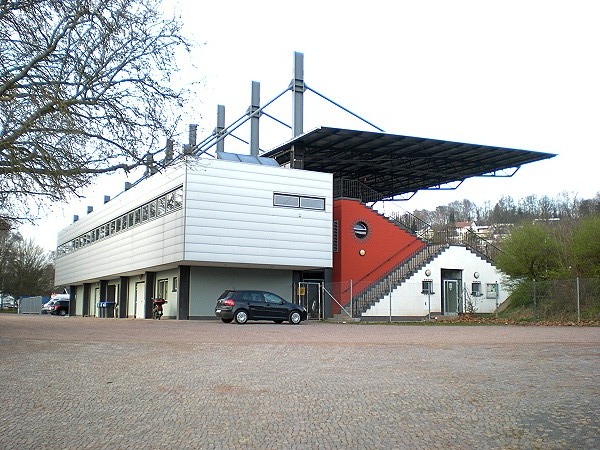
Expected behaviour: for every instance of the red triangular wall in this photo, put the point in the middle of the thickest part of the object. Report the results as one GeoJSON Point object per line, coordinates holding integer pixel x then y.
{"type": "Point", "coordinates": [385, 246]}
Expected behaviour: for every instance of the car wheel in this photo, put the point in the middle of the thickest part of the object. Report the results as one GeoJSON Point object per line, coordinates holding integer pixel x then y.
{"type": "Point", "coordinates": [62, 312]}
{"type": "Point", "coordinates": [241, 316]}
{"type": "Point", "coordinates": [226, 320]}
{"type": "Point", "coordinates": [278, 321]}
{"type": "Point", "coordinates": [295, 317]}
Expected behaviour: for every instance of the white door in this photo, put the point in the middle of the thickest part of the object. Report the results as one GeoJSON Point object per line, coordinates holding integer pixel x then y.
{"type": "Point", "coordinates": [140, 300]}
{"type": "Point", "coordinates": [94, 311]}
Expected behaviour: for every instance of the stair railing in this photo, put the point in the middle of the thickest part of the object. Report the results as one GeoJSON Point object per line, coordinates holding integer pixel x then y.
{"type": "Point", "coordinates": [392, 279]}
{"type": "Point", "coordinates": [354, 189]}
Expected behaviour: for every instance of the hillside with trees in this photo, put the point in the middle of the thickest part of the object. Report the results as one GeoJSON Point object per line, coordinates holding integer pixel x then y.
{"type": "Point", "coordinates": [508, 210]}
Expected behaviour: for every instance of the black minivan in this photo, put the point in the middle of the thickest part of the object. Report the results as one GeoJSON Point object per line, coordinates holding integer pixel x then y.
{"type": "Point", "coordinates": [257, 305]}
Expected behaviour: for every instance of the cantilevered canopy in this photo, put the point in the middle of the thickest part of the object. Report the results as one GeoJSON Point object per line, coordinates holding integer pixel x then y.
{"type": "Point", "coordinates": [394, 165]}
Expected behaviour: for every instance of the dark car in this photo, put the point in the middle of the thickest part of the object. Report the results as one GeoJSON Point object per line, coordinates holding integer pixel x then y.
{"type": "Point", "coordinates": [58, 307]}
{"type": "Point", "coordinates": [257, 305]}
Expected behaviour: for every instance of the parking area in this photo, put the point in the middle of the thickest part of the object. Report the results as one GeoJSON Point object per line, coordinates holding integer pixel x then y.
{"type": "Point", "coordinates": [72, 383]}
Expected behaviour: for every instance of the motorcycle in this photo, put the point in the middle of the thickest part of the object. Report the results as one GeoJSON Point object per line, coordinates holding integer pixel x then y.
{"type": "Point", "coordinates": [157, 308]}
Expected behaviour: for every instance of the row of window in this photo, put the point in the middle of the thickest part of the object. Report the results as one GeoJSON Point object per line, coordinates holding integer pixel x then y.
{"type": "Point", "coordinates": [165, 204]}
{"type": "Point", "coordinates": [476, 289]}
{"type": "Point", "coordinates": [299, 201]}
{"type": "Point", "coordinates": [491, 290]}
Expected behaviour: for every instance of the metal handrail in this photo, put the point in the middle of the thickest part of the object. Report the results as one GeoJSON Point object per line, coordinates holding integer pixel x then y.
{"type": "Point", "coordinates": [354, 189]}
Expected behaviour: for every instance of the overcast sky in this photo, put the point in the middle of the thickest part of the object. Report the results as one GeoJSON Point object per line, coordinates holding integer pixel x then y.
{"type": "Point", "coordinates": [520, 74]}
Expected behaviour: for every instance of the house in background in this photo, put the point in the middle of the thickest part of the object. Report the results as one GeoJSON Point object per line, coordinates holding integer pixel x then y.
{"type": "Point", "coordinates": [299, 220]}
{"type": "Point", "coordinates": [464, 227]}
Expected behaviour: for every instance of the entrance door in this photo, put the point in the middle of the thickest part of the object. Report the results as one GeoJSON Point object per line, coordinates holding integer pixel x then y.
{"type": "Point", "coordinates": [111, 298]}
{"type": "Point", "coordinates": [451, 296]}
{"type": "Point", "coordinates": [309, 296]}
{"type": "Point", "coordinates": [140, 300]}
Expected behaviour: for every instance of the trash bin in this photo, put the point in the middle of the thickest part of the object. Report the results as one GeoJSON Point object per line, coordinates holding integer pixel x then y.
{"type": "Point", "coordinates": [106, 310]}
{"type": "Point", "coordinates": [102, 309]}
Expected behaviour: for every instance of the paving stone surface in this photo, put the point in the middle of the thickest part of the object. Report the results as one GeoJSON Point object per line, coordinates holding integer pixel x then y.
{"type": "Point", "coordinates": [89, 383]}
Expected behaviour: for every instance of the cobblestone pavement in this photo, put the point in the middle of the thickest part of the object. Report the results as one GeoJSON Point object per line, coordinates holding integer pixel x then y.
{"type": "Point", "coordinates": [88, 383]}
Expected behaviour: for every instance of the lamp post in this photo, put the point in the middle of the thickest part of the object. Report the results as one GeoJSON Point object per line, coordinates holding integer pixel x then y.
{"type": "Point", "coordinates": [426, 289]}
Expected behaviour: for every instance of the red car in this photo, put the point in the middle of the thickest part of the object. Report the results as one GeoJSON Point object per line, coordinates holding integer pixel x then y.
{"type": "Point", "coordinates": [58, 307]}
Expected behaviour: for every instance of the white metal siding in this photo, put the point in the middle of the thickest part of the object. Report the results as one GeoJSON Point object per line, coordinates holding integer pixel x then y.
{"type": "Point", "coordinates": [230, 217]}
{"type": "Point", "coordinates": [136, 249]}
{"type": "Point", "coordinates": [154, 243]}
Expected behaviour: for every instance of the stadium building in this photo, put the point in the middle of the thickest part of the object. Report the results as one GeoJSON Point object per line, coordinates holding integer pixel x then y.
{"type": "Point", "coordinates": [303, 220]}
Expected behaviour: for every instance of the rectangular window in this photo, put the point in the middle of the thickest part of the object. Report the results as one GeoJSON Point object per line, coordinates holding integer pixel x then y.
{"type": "Point", "coordinates": [476, 289]}
{"type": "Point", "coordinates": [178, 198]}
{"type": "Point", "coordinates": [291, 201]}
{"type": "Point", "coordinates": [298, 201]}
{"type": "Point", "coordinates": [161, 288]}
{"type": "Point", "coordinates": [427, 287]}
{"type": "Point", "coordinates": [152, 209]}
{"type": "Point", "coordinates": [170, 199]}
{"type": "Point", "coordinates": [312, 203]}
{"type": "Point", "coordinates": [144, 213]}
{"type": "Point", "coordinates": [162, 206]}
{"type": "Point", "coordinates": [175, 284]}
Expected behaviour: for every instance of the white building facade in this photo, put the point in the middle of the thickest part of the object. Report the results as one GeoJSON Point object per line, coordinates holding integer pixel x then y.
{"type": "Point", "coordinates": [193, 230]}
{"type": "Point", "coordinates": [456, 281]}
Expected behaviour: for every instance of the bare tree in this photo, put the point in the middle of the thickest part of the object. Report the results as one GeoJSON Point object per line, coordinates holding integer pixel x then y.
{"type": "Point", "coordinates": [84, 90]}
{"type": "Point", "coordinates": [28, 269]}
{"type": "Point", "coordinates": [8, 242]}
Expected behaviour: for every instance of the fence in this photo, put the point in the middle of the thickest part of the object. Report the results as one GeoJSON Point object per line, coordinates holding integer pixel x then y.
{"type": "Point", "coordinates": [572, 300]}
{"type": "Point", "coordinates": [408, 300]}
{"type": "Point", "coordinates": [30, 305]}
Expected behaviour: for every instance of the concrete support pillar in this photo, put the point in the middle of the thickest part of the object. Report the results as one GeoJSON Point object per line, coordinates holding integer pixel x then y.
{"type": "Point", "coordinates": [220, 128]}
{"type": "Point", "coordinates": [298, 93]}
{"type": "Point", "coordinates": [150, 278]}
{"type": "Point", "coordinates": [183, 293]}
{"type": "Point", "coordinates": [254, 118]}
{"type": "Point", "coordinates": [122, 312]}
